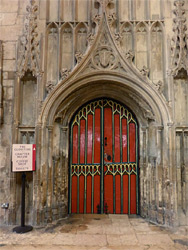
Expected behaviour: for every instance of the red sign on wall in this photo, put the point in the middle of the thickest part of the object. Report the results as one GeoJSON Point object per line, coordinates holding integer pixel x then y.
{"type": "Point", "coordinates": [23, 157]}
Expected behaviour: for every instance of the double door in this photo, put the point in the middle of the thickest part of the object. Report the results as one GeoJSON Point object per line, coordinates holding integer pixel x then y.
{"type": "Point", "coordinates": [103, 170]}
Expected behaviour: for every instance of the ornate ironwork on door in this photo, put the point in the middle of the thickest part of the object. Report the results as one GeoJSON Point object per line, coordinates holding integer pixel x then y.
{"type": "Point", "coordinates": [103, 174]}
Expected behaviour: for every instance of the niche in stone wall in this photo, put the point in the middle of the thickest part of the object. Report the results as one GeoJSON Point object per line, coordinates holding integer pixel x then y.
{"type": "Point", "coordinates": [66, 47]}
{"type": "Point", "coordinates": [127, 37]}
{"type": "Point", "coordinates": [156, 72]}
{"type": "Point", "coordinates": [141, 46]}
{"type": "Point", "coordinates": [28, 100]}
{"type": "Point", "coordinates": [52, 53]}
{"type": "Point", "coordinates": [81, 38]}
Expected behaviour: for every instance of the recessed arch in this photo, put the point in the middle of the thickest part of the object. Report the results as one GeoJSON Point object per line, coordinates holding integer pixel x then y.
{"type": "Point", "coordinates": [111, 82]}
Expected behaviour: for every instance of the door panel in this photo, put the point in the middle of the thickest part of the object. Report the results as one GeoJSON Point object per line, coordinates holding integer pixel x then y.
{"type": "Point", "coordinates": [103, 176]}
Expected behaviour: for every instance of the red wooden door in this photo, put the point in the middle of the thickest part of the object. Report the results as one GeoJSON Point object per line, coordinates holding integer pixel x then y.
{"type": "Point", "coordinates": [103, 174]}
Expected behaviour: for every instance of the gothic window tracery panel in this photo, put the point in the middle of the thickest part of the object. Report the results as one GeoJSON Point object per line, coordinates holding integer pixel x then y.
{"type": "Point", "coordinates": [127, 37]}
{"type": "Point", "coordinates": [156, 52]}
{"type": "Point", "coordinates": [81, 38]}
{"type": "Point", "coordinates": [141, 46]}
{"type": "Point", "coordinates": [66, 47]}
{"type": "Point", "coordinates": [52, 53]}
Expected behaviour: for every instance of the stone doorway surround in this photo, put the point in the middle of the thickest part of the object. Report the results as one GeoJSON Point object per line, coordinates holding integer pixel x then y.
{"type": "Point", "coordinates": [103, 72]}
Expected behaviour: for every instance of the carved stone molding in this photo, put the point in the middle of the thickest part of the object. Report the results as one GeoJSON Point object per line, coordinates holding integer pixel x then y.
{"type": "Point", "coordinates": [145, 107]}
{"type": "Point", "coordinates": [180, 45]}
{"type": "Point", "coordinates": [28, 45]}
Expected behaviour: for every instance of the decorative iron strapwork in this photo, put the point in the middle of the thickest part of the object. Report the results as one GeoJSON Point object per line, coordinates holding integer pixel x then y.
{"type": "Point", "coordinates": [103, 159]}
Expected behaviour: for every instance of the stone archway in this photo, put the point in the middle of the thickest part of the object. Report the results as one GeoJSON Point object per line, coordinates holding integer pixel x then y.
{"type": "Point", "coordinates": [53, 136]}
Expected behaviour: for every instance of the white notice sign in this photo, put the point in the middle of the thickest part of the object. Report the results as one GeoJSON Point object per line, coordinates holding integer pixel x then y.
{"type": "Point", "coordinates": [23, 157]}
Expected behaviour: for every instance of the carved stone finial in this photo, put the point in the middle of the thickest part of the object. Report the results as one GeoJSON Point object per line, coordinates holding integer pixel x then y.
{"type": "Point", "coordinates": [28, 49]}
{"type": "Point", "coordinates": [78, 56]}
{"type": "Point", "coordinates": [64, 73]}
{"type": "Point", "coordinates": [144, 71]}
{"type": "Point", "coordinates": [180, 45]}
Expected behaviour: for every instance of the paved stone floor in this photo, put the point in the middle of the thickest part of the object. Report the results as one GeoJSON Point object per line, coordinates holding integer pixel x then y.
{"type": "Point", "coordinates": [96, 232]}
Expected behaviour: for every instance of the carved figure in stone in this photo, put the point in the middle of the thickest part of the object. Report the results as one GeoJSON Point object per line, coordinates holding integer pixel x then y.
{"type": "Point", "coordinates": [180, 45]}
{"type": "Point", "coordinates": [144, 71]}
{"type": "Point", "coordinates": [64, 73]}
{"type": "Point", "coordinates": [78, 56]}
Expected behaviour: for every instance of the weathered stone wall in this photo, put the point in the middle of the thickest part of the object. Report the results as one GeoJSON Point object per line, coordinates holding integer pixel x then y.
{"type": "Point", "coordinates": [45, 49]}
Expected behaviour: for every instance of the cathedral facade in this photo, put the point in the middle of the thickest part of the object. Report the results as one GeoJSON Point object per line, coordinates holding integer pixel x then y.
{"type": "Point", "coordinates": [100, 86]}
